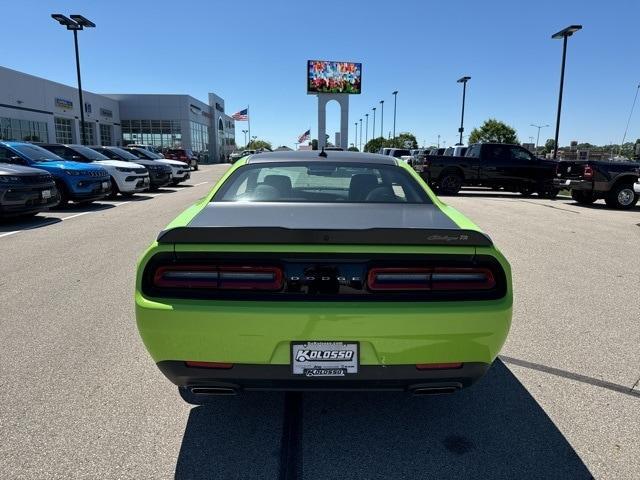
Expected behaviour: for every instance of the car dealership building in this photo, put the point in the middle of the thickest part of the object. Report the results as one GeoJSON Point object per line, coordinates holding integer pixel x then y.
{"type": "Point", "coordinates": [39, 110]}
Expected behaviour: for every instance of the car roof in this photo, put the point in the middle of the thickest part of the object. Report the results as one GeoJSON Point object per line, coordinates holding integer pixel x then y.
{"type": "Point", "coordinates": [314, 156]}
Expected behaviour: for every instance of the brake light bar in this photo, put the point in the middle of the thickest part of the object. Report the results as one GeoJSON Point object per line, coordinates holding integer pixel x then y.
{"type": "Point", "coordinates": [588, 172]}
{"type": "Point", "coordinates": [219, 277]}
{"type": "Point", "coordinates": [440, 279]}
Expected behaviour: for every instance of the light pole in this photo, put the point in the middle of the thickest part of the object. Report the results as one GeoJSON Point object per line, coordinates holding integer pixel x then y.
{"type": "Point", "coordinates": [366, 129]}
{"type": "Point", "coordinates": [245, 137]}
{"type": "Point", "coordinates": [355, 142]}
{"type": "Point", "coordinates": [75, 23]}
{"type": "Point", "coordinates": [373, 129]}
{"type": "Point", "coordinates": [395, 98]}
{"type": "Point", "coordinates": [360, 134]}
{"type": "Point", "coordinates": [563, 34]}
{"type": "Point", "coordinates": [463, 81]}
{"type": "Point", "coordinates": [629, 120]}
{"type": "Point", "coordinates": [538, 137]}
{"type": "Point", "coordinates": [382, 118]}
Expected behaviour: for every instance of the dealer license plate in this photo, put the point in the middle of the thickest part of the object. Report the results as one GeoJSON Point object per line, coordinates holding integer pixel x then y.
{"type": "Point", "coordinates": [324, 359]}
{"type": "Point", "coordinates": [46, 194]}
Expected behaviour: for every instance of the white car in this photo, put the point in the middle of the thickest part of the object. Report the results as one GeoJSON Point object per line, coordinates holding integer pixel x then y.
{"type": "Point", "coordinates": [126, 178]}
{"type": "Point", "coordinates": [180, 171]}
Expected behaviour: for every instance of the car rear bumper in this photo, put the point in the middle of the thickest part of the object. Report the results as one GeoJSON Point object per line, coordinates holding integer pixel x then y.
{"type": "Point", "coordinates": [279, 377]}
{"type": "Point", "coordinates": [636, 188]}
{"type": "Point", "coordinates": [572, 184]}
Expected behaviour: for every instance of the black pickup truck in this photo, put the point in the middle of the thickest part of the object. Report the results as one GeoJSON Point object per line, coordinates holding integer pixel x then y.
{"type": "Point", "coordinates": [493, 165]}
{"type": "Point", "coordinates": [590, 180]}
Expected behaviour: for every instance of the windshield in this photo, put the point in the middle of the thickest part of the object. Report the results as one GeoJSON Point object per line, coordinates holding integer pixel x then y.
{"type": "Point", "coordinates": [320, 182]}
{"type": "Point", "coordinates": [36, 153]}
{"type": "Point", "coordinates": [118, 154]}
{"type": "Point", "coordinates": [141, 153]}
{"type": "Point", "coordinates": [89, 153]}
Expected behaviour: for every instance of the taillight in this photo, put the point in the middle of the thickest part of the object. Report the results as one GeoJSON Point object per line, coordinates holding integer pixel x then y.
{"type": "Point", "coordinates": [440, 279]}
{"type": "Point", "coordinates": [219, 277]}
{"type": "Point", "coordinates": [588, 172]}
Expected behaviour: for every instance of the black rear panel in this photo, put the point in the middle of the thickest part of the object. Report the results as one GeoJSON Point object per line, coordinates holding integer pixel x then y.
{"type": "Point", "coordinates": [323, 277]}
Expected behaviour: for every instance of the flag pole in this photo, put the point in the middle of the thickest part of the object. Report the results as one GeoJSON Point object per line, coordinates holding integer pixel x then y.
{"type": "Point", "coordinates": [249, 122]}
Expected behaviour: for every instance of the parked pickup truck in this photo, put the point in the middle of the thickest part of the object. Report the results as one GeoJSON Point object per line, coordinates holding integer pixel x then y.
{"type": "Point", "coordinates": [493, 165]}
{"type": "Point", "coordinates": [590, 180]}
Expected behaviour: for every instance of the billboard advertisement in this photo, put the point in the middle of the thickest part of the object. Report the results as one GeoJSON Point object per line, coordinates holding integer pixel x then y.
{"type": "Point", "coordinates": [325, 76]}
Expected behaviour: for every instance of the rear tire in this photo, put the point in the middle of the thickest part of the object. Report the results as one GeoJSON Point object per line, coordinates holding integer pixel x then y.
{"type": "Point", "coordinates": [582, 197]}
{"type": "Point", "coordinates": [548, 192]}
{"type": "Point", "coordinates": [114, 189]}
{"type": "Point", "coordinates": [450, 184]}
{"type": "Point", "coordinates": [195, 167]}
{"type": "Point", "coordinates": [64, 196]}
{"type": "Point", "coordinates": [621, 197]}
{"type": "Point", "coordinates": [526, 190]}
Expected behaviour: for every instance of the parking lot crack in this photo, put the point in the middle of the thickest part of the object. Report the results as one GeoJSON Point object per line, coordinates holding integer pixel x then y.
{"type": "Point", "coordinates": [550, 206]}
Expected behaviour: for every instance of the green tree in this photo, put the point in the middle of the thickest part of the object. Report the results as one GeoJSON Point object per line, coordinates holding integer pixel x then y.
{"type": "Point", "coordinates": [549, 145]}
{"type": "Point", "coordinates": [258, 144]}
{"type": "Point", "coordinates": [352, 149]}
{"type": "Point", "coordinates": [375, 144]}
{"type": "Point", "coordinates": [314, 144]}
{"type": "Point", "coordinates": [493, 131]}
{"type": "Point", "coordinates": [402, 140]}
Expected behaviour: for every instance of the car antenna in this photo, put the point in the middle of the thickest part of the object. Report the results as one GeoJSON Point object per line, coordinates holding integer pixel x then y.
{"type": "Point", "coordinates": [323, 153]}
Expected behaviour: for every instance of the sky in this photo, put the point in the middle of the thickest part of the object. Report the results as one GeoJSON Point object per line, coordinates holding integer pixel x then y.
{"type": "Point", "coordinates": [255, 52]}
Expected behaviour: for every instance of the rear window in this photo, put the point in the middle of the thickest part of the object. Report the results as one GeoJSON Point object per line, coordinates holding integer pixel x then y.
{"type": "Point", "coordinates": [321, 182]}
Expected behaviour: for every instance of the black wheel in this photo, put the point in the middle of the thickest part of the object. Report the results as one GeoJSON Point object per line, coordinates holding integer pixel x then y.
{"type": "Point", "coordinates": [26, 216]}
{"type": "Point", "coordinates": [621, 197]}
{"type": "Point", "coordinates": [114, 189]}
{"type": "Point", "coordinates": [450, 184]}
{"type": "Point", "coordinates": [526, 190]}
{"type": "Point", "coordinates": [195, 167]}
{"type": "Point", "coordinates": [64, 196]}
{"type": "Point", "coordinates": [583, 198]}
{"type": "Point", "coordinates": [174, 184]}
{"type": "Point", "coordinates": [127, 194]}
{"type": "Point", "coordinates": [548, 192]}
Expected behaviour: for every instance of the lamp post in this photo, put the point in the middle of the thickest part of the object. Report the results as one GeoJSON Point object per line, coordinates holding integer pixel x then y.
{"type": "Point", "coordinates": [629, 120]}
{"type": "Point", "coordinates": [382, 118]}
{"type": "Point", "coordinates": [373, 129]}
{"type": "Point", "coordinates": [355, 142]}
{"type": "Point", "coordinates": [538, 137]}
{"type": "Point", "coordinates": [75, 23]}
{"type": "Point", "coordinates": [463, 81]}
{"type": "Point", "coordinates": [360, 134]}
{"type": "Point", "coordinates": [245, 137]}
{"type": "Point", "coordinates": [395, 98]}
{"type": "Point", "coordinates": [562, 34]}
{"type": "Point", "coordinates": [366, 129]}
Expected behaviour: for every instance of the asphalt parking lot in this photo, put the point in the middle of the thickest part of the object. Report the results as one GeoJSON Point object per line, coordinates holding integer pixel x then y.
{"type": "Point", "coordinates": [80, 397]}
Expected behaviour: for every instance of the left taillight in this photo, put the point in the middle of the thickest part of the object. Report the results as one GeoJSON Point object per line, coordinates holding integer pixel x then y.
{"type": "Point", "coordinates": [219, 277]}
{"type": "Point", "coordinates": [424, 279]}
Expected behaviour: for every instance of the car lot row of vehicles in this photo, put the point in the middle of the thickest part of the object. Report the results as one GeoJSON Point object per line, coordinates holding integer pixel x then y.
{"type": "Point", "coordinates": [514, 168]}
{"type": "Point", "coordinates": [36, 177]}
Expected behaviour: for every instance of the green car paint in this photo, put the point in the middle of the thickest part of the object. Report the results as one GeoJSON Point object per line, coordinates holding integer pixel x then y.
{"type": "Point", "coordinates": [260, 332]}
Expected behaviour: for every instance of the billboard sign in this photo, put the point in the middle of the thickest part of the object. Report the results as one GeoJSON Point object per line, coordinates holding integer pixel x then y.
{"type": "Point", "coordinates": [325, 76]}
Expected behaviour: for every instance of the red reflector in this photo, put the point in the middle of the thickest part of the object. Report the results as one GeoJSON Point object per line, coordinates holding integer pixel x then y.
{"type": "Point", "coordinates": [438, 366]}
{"type": "Point", "coordinates": [222, 366]}
{"type": "Point", "coordinates": [588, 172]}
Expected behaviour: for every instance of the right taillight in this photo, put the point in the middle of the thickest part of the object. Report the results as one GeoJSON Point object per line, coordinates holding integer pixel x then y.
{"type": "Point", "coordinates": [438, 279]}
{"type": "Point", "coordinates": [588, 172]}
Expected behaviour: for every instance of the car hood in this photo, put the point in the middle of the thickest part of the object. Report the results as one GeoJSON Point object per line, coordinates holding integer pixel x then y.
{"type": "Point", "coordinates": [11, 169]}
{"type": "Point", "coordinates": [67, 165]}
{"type": "Point", "coordinates": [117, 163]}
{"type": "Point", "coordinates": [173, 163]}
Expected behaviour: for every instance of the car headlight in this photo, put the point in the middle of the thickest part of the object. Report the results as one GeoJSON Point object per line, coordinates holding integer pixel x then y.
{"type": "Point", "coordinates": [10, 179]}
{"type": "Point", "coordinates": [125, 170]}
{"type": "Point", "coordinates": [73, 172]}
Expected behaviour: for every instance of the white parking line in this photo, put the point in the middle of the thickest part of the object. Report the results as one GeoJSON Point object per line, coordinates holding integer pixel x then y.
{"type": "Point", "coordinates": [201, 183]}
{"type": "Point", "coordinates": [9, 233]}
{"type": "Point", "coordinates": [76, 215]}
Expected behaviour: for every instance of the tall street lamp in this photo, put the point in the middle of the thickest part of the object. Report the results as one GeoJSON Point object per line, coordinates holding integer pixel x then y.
{"type": "Point", "coordinates": [75, 23]}
{"type": "Point", "coordinates": [245, 137]}
{"type": "Point", "coordinates": [463, 81]}
{"type": "Point", "coordinates": [382, 118]}
{"type": "Point", "coordinates": [360, 134]}
{"type": "Point", "coordinates": [395, 98]}
{"type": "Point", "coordinates": [562, 34]}
{"type": "Point", "coordinates": [373, 129]}
{"type": "Point", "coordinates": [366, 129]}
{"type": "Point", "coordinates": [538, 137]}
{"type": "Point", "coordinates": [355, 141]}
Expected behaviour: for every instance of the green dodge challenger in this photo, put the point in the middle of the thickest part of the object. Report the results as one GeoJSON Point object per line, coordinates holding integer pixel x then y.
{"type": "Point", "coordinates": [322, 270]}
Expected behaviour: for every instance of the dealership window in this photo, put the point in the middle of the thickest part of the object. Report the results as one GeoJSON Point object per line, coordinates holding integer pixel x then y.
{"type": "Point", "coordinates": [64, 130]}
{"type": "Point", "coordinates": [26, 130]}
{"type": "Point", "coordinates": [105, 134]}
{"type": "Point", "coordinates": [89, 134]}
{"type": "Point", "coordinates": [160, 133]}
{"type": "Point", "coordinates": [199, 137]}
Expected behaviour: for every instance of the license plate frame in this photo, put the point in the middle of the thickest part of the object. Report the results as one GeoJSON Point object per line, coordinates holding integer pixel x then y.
{"type": "Point", "coordinates": [323, 358]}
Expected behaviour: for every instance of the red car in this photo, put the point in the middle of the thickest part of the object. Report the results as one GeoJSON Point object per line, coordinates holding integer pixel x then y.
{"type": "Point", "coordinates": [184, 155]}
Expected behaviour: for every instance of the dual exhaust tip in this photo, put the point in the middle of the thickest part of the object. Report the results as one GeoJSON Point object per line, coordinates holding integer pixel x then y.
{"type": "Point", "coordinates": [419, 391]}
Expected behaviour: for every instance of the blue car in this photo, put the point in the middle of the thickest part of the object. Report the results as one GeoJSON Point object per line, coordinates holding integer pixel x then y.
{"type": "Point", "coordinates": [76, 182]}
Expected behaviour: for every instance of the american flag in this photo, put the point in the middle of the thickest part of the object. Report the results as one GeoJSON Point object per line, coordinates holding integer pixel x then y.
{"type": "Point", "coordinates": [241, 116]}
{"type": "Point", "coordinates": [304, 137]}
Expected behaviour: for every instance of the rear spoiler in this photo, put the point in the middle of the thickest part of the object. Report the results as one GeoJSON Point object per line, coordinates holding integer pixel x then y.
{"type": "Point", "coordinates": [279, 235]}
